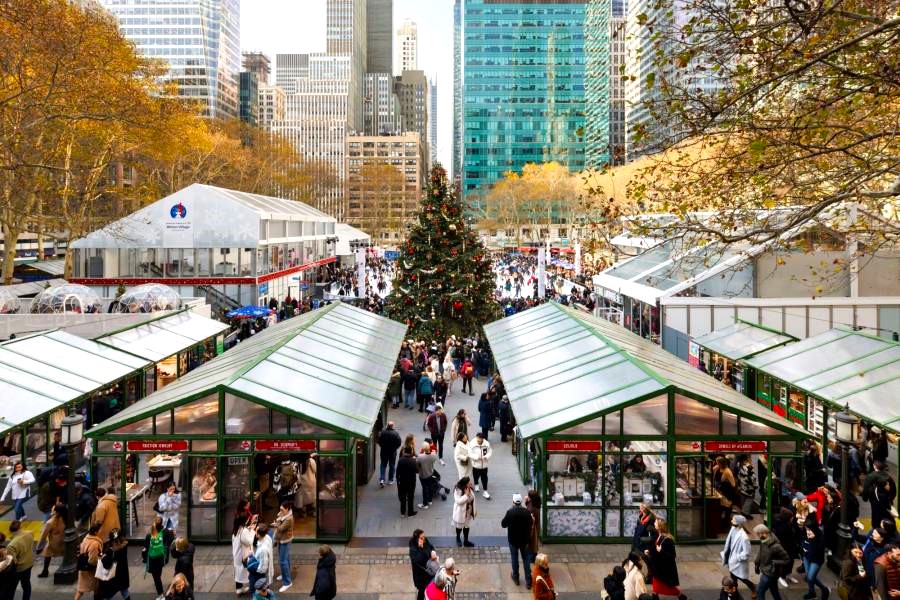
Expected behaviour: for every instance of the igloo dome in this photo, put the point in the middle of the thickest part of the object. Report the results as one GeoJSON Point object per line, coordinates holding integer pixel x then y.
{"type": "Point", "coordinates": [9, 303]}
{"type": "Point", "coordinates": [68, 298]}
{"type": "Point", "coordinates": [147, 298]}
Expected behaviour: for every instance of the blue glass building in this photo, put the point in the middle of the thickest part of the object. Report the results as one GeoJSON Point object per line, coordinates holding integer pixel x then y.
{"type": "Point", "coordinates": [523, 87]}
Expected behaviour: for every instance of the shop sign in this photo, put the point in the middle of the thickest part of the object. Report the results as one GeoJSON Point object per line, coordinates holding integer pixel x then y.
{"type": "Point", "coordinates": [735, 446]}
{"type": "Point", "coordinates": [612, 296]}
{"type": "Point", "coordinates": [695, 446]}
{"type": "Point", "coordinates": [237, 460]}
{"type": "Point", "coordinates": [158, 446]}
{"type": "Point", "coordinates": [693, 353]}
{"type": "Point", "coordinates": [263, 288]}
{"type": "Point", "coordinates": [574, 446]}
{"type": "Point", "coordinates": [245, 445]}
{"type": "Point", "coordinates": [286, 445]}
{"type": "Point", "coordinates": [220, 344]}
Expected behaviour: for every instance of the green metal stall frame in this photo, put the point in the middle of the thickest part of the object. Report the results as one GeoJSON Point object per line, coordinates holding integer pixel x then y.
{"type": "Point", "coordinates": [311, 385]}
{"type": "Point", "coordinates": [582, 387]}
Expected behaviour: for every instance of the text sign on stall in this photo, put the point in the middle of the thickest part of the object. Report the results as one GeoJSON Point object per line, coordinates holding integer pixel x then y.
{"type": "Point", "coordinates": [158, 446]}
{"type": "Point", "coordinates": [286, 445]}
{"type": "Point", "coordinates": [735, 446]}
{"type": "Point", "coordinates": [574, 446]}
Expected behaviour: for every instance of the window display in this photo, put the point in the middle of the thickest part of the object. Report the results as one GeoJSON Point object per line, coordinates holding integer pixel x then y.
{"type": "Point", "coordinates": [204, 490]}
{"type": "Point", "coordinates": [332, 488]}
{"type": "Point", "coordinates": [287, 477]}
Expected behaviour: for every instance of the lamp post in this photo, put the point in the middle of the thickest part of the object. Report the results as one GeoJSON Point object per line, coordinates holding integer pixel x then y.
{"type": "Point", "coordinates": [72, 436]}
{"type": "Point", "coordinates": [847, 433]}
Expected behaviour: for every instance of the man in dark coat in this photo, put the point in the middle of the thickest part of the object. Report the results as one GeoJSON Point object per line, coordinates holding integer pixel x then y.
{"type": "Point", "coordinates": [518, 523]}
{"type": "Point", "coordinates": [485, 415]}
{"type": "Point", "coordinates": [389, 442]}
{"type": "Point", "coordinates": [879, 490]}
{"type": "Point", "coordinates": [325, 584]}
{"type": "Point", "coordinates": [407, 474]}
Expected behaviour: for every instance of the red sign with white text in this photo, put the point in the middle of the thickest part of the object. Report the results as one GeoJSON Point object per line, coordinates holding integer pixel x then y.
{"type": "Point", "coordinates": [574, 446]}
{"type": "Point", "coordinates": [286, 445]}
{"type": "Point", "coordinates": [158, 446]}
{"type": "Point", "coordinates": [735, 446]}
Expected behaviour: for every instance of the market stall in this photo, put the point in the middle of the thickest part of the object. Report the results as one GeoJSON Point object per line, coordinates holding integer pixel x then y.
{"type": "Point", "coordinates": [43, 376]}
{"type": "Point", "coordinates": [610, 420]}
{"type": "Point", "coordinates": [721, 352]}
{"type": "Point", "coordinates": [277, 418]}
{"type": "Point", "coordinates": [176, 344]}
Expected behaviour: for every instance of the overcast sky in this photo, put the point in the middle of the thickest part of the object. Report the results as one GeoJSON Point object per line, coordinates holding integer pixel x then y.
{"type": "Point", "coordinates": [287, 26]}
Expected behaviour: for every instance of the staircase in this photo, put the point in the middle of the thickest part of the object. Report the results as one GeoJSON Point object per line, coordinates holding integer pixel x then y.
{"type": "Point", "coordinates": [218, 301]}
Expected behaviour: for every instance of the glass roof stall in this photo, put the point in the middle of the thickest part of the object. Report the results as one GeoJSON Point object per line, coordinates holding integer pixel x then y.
{"type": "Point", "coordinates": [176, 344]}
{"type": "Point", "coordinates": [45, 376]}
{"type": "Point", "coordinates": [807, 380]}
{"type": "Point", "coordinates": [720, 353]}
{"type": "Point", "coordinates": [614, 422]}
{"type": "Point", "coordinates": [277, 418]}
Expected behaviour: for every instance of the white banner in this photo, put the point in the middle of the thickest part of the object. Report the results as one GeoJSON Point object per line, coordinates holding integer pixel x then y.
{"type": "Point", "coordinates": [360, 272]}
{"type": "Point", "coordinates": [541, 275]}
{"type": "Point", "coordinates": [577, 258]}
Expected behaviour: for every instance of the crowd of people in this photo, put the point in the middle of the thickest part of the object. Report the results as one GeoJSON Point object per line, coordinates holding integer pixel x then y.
{"type": "Point", "coordinates": [517, 284]}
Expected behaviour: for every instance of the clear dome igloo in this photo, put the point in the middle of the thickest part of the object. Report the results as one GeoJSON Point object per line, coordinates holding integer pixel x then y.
{"type": "Point", "coordinates": [68, 298]}
{"type": "Point", "coordinates": [9, 303]}
{"type": "Point", "coordinates": [147, 298]}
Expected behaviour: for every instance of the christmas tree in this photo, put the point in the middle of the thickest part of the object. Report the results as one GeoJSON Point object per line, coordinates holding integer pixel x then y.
{"type": "Point", "coordinates": [444, 283]}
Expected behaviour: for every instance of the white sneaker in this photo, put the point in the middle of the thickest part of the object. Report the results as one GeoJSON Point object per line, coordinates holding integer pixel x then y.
{"type": "Point", "coordinates": [782, 582]}
{"type": "Point", "coordinates": [285, 588]}
{"type": "Point", "coordinates": [278, 578]}
{"type": "Point", "coordinates": [443, 464]}
{"type": "Point", "coordinates": [793, 579]}
{"type": "Point", "coordinates": [486, 495]}
{"type": "Point", "coordinates": [476, 487]}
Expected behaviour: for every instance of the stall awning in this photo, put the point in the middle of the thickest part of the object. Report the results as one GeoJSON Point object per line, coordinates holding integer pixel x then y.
{"type": "Point", "coordinates": [742, 340]}
{"type": "Point", "coordinates": [164, 337]}
{"type": "Point", "coordinates": [562, 366]}
{"type": "Point", "coordinates": [843, 367]}
{"type": "Point", "coordinates": [43, 372]}
{"type": "Point", "coordinates": [330, 366]}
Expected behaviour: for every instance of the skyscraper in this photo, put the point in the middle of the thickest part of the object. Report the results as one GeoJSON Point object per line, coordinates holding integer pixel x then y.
{"type": "Point", "coordinates": [596, 83]}
{"type": "Point", "coordinates": [432, 120]}
{"type": "Point", "coordinates": [289, 68]}
{"type": "Point", "coordinates": [616, 83]}
{"type": "Point", "coordinates": [381, 106]}
{"type": "Point", "coordinates": [198, 39]}
{"type": "Point", "coordinates": [412, 89]}
{"type": "Point", "coordinates": [379, 32]}
{"type": "Point", "coordinates": [457, 90]}
{"type": "Point", "coordinates": [523, 98]}
{"type": "Point", "coordinates": [346, 36]}
{"type": "Point", "coordinates": [407, 48]}
{"type": "Point", "coordinates": [248, 98]}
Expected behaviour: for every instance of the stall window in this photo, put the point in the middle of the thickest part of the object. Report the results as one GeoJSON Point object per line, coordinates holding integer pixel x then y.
{"type": "Point", "coordinates": [693, 417]}
{"type": "Point", "coordinates": [248, 268]}
{"type": "Point", "coordinates": [764, 390]}
{"type": "Point", "coordinates": [173, 262]}
{"type": "Point", "coordinates": [36, 445]}
{"type": "Point", "coordinates": [164, 423]}
{"type": "Point", "coordinates": [649, 417]}
{"type": "Point", "coordinates": [689, 496]}
{"type": "Point", "coordinates": [573, 479]}
{"type": "Point", "coordinates": [300, 426]}
{"type": "Point", "coordinates": [10, 454]}
{"type": "Point", "coordinates": [796, 406]}
{"type": "Point", "coordinates": [243, 416]}
{"type": "Point", "coordinates": [204, 262]}
{"type": "Point", "coordinates": [332, 490]}
{"type": "Point", "coordinates": [188, 263]}
{"type": "Point", "coordinates": [203, 490]}
{"type": "Point", "coordinates": [198, 417]}
{"type": "Point", "coordinates": [729, 423]}
{"type": "Point", "coordinates": [279, 423]}
{"type": "Point", "coordinates": [109, 473]}
{"type": "Point", "coordinates": [592, 427]}
{"type": "Point", "coordinates": [142, 427]}
{"type": "Point", "coordinates": [236, 478]}
{"type": "Point", "coordinates": [750, 428]}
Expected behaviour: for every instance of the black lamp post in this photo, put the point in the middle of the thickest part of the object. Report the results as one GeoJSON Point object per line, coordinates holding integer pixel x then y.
{"type": "Point", "coordinates": [847, 433]}
{"type": "Point", "coordinates": [72, 436]}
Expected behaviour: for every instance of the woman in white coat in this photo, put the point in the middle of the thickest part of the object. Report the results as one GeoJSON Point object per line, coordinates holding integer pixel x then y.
{"type": "Point", "coordinates": [461, 456]}
{"type": "Point", "coordinates": [463, 510]}
{"type": "Point", "coordinates": [169, 504]}
{"type": "Point", "coordinates": [449, 372]}
{"type": "Point", "coordinates": [635, 585]}
{"type": "Point", "coordinates": [307, 492]}
{"type": "Point", "coordinates": [19, 487]}
{"type": "Point", "coordinates": [242, 536]}
{"type": "Point", "coordinates": [737, 552]}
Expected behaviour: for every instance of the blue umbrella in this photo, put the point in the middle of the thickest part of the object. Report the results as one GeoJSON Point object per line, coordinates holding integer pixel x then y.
{"type": "Point", "coordinates": [248, 312]}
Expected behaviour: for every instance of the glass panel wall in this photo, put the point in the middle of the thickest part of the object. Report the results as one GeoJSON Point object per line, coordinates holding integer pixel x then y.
{"type": "Point", "coordinates": [198, 417]}
{"type": "Point", "coordinates": [203, 494]}
{"type": "Point", "coordinates": [332, 495]}
{"type": "Point", "coordinates": [243, 416]}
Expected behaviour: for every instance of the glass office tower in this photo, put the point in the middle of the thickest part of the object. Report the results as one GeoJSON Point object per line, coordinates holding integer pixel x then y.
{"type": "Point", "coordinates": [524, 87]}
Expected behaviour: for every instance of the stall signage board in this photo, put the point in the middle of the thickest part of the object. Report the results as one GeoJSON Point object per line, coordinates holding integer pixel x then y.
{"type": "Point", "coordinates": [693, 353]}
{"type": "Point", "coordinates": [574, 446]}
{"type": "Point", "coordinates": [735, 446]}
{"type": "Point", "coordinates": [286, 445]}
{"type": "Point", "coordinates": [158, 446]}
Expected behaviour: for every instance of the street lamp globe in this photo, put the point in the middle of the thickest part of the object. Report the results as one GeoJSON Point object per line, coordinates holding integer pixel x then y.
{"type": "Point", "coordinates": [846, 427]}
{"type": "Point", "coordinates": [72, 430]}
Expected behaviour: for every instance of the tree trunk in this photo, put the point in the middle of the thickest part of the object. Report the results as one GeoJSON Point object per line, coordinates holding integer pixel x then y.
{"type": "Point", "coordinates": [40, 228]}
{"type": "Point", "coordinates": [69, 260]}
{"type": "Point", "coordinates": [10, 240]}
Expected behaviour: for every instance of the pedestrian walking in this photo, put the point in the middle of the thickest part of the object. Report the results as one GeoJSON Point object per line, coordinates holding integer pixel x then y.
{"type": "Point", "coordinates": [461, 456]}
{"type": "Point", "coordinates": [887, 573]}
{"type": "Point", "coordinates": [437, 428]}
{"type": "Point", "coordinates": [533, 504]}
{"type": "Point", "coordinates": [542, 581]}
{"type": "Point", "coordinates": [504, 411]}
{"type": "Point", "coordinates": [468, 372]}
{"type": "Point", "coordinates": [420, 552]}
{"type": "Point", "coordinates": [21, 549]}
{"type": "Point", "coordinates": [284, 536]}
{"type": "Point", "coordinates": [8, 579]}
{"type": "Point", "coordinates": [407, 473]}
{"type": "Point", "coordinates": [261, 566]}
{"type": "Point", "coordinates": [854, 578]}
{"type": "Point", "coordinates": [242, 535]}
{"type": "Point", "coordinates": [643, 529]}
{"type": "Point", "coordinates": [635, 585]}
{"type": "Point", "coordinates": [106, 512]}
{"type": "Point", "coordinates": [262, 591]}
{"type": "Point", "coordinates": [179, 589]}
{"type": "Point", "coordinates": [879, 490]}
{"type": "Point", "coordinates": [449, 373]}
{"type": "Point", "coordinates": [155, 553]}
{"type": "Point", "coordinates": [480, 453]}
{"type": "Point", "coordinates": [395, 387]}
{"type": "Point", "coordinates": [463, 510]}
{"type": "Point", "coordinates": [461, 424]}
{"type": "Point", "coordinates": [114, 562]}
{"type": "Point", "coordinates": [772, 561]}
{"type": "Point", "coordinates": [729, 589]}
{"type": "Point", "coordinates": [18, 486]}
{"type": "Point", "coordinates": [425, 392]}
{"type": "Point", "coordinates": [737, 552]}
{"type": "Point", "coordinates": [52, 542]}
{"type": "Point", "coordinates": [325, 583]}
{"type": "Point", "coordinates": [662, 557]}
{"type": "Point", "coordinates": [168, 505]}
{"type": "Point", "coordinates": [410, 384]}
{"type": "Point", "coordinates": [614, 584]}
{"type": "Point", "coordinates": [485, 415]}
{"type": "Point", "coordinates": [88, 554]}
{"type": "Point", "coordinates": [812, 549]}
{"type": "Point", "coordinates": [389, 443]}
{"type": "Point", "coordinates": [436, 589]}
{"type": "Point", "coordinates": [425, 466]}
{"type": "Point", "coordinates": [519, 523]}
{"type": "Point", "coordinates": [450, 574]}
{"type": "Point", "coordinates": [183, 553]}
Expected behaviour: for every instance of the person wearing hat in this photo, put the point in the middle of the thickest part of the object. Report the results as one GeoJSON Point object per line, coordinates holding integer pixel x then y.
{"type": "Point", "coordinates": [437, 425]}
{"type": "Point", "coordinates": [518, 523]}
{"type": "Point", "coordinates": [261, 591]}
{"type": "Point", "coordinates": [737, 552]}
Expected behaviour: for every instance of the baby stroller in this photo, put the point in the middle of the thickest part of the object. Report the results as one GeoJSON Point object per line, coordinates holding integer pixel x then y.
{"type": "Point", "coordinates": [438, 486]}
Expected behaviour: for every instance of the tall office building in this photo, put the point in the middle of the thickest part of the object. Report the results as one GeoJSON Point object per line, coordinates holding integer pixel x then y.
{"type": "Point", "coordinates": [199, 40]}
{"type": "Point", "coordinates": [289, 68]}
{"type": "Point", "coordinates": [381, 106]}
{"type": "Point", "coordinates": [432, 120]}
{"type": "Point", "coordinates": [596, 83]}
{"type": "Point", "coordinates": [407, 47]}
{"type": "Point", "coordinates": [616, 82]}
{"type": "Point", "coordinates": [457, 90]}
{"type": "Point", "coordinates": [248, 98]}
{"type": "Point", "coordinates": [272, 101]}
{"type": "Point", "coordinates": [523, 98]}
{"type": "Point", "coordinates": [346, 37]}
{"type": "Point", "coordinates": [379, 32]}
{"type": "Point", "coordinates": [412, 89]}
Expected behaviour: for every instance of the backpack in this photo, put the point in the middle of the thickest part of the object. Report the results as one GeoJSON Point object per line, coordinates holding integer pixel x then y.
{"type": "Point", "coordinates": [157, 547]}
{"type": "Point", "coordinates": [468, 371]}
